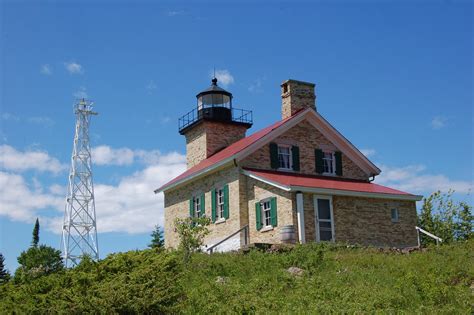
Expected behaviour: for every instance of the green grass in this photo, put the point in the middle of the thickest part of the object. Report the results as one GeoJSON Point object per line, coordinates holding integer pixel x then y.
{"type": "Point", "coordinates": [337, 279]}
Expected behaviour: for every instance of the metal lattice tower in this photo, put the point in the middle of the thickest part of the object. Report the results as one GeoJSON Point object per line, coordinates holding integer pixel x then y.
{"type": "Point", "coordinates": [79, 235]}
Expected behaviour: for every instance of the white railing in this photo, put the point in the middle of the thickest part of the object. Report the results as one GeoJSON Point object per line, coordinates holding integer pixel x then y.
{"type": "Point", "coordinates": [419, 229]}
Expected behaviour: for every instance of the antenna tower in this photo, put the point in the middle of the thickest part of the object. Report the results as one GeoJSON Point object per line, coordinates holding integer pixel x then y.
{"type": "Point", "coordinates": [79, 235]}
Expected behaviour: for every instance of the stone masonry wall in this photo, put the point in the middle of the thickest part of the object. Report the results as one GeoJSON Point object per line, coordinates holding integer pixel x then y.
{"type": "Point", "coordinates": [286, 211]}
{"type": "Point", "coordinates": [177, 205]}
{"type": "Point", "coordinates": [206, 138]}
{"type": "Point", "coordinates": [307, 138]}
{"type": "Point", "coordinates": [368, 221]}
{"type": "Point", "coordinates": [195, 145]}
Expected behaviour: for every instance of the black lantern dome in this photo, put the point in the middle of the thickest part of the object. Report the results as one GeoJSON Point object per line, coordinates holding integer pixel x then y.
{"type": "Point", "coordinates": [214, 96]}
{"type": "Point", "coordinates": [215, 104]}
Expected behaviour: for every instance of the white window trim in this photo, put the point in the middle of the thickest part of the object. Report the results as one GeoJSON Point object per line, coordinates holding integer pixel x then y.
{"type": "Point", "coordinates": [397, 219]}
{"type": "Point", "coordinates": [290, 150]}
{"type": "Point", "coordinates": [316, 219]}
{"type": "Point", "coordinates": [333, 163]}
{"type": "Point", "coordinates": [220, 217]}
{"type": "Point", "coordinates": [198, 197]}
{"type": "Point", "coordinates": [262, 213]}
{"type": "Point", "coordinates": [270, 227]}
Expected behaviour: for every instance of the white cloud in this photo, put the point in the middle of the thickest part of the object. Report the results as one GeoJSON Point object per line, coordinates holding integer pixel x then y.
{"type": "Point", "coordinates": [172, 13]}
{"type": "Point", "coordinates": [19, 202]}
{"type": "Point", "coordinates": [81, 93]}
{"type": "Point", "coordinates": [257, 86]}
{"type": "Point", "coordinates": [130, 206]}
{"type": "Point", "coordinates": [438, 122]}
{"type": "Point", "coordinates": [73, 67]}
{"type": "Point", "coordinates": [368, 152]}
{"type": "Point", "coordinates": [42, 120]}
{"type": "Point", "coordinates": [8, 116]}
{"type": "Point", "coordinates": [414, 179]}
{"type": "Point", "coordinates": [223, 76]}
{"type": "Point", "coordinates": [14, 160]}
{"type": "Point", "coordinates": [105, 155]}
{"type": "Point", "coordinates": [151, 86]}
{"type": "Point", "coordinates": [46, 69]}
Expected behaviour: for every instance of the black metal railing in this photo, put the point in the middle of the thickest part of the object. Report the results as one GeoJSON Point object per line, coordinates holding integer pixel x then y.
{"type": "Point", "coordinates": [216, 113]}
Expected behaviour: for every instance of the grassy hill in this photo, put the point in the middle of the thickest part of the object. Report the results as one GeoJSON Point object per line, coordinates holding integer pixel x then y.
{"type": "Point", "coordinates": [336, 278]}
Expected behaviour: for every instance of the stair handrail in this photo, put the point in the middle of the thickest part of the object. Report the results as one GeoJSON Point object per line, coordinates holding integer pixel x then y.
{"type": "Point", "coordinates": [245, 227]}
{"type": "Point", "coordinates": [419, 229]}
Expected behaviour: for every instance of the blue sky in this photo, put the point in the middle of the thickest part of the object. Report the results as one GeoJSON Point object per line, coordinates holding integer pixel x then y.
{"type": "Point", "coordinates": [394, 78]}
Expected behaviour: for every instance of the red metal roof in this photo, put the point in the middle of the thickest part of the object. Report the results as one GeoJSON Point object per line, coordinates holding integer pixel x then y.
{"type": "Point", "coordinates": [299, 180]}
{"type": "Point", "coordinates": [228, 152]}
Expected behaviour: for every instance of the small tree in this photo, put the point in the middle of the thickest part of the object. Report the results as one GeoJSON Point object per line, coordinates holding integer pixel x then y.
{"type": "Point", "coordinates": [38, 261]}
{"type": "Point", "coordinates": [444, 217]}
{"type": "Point", "coordinates": [464, 225]}
{"type": "Point", "coordinates": [4, 274]}
{"type": "Point", "coordinates": [35, 240]}
{"type": "Point", "coordinates": [157, 239]}
{"type": "Point", "coordinates": [191, 232]}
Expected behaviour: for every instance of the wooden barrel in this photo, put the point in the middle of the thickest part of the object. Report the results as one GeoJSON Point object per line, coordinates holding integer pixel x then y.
{"type": "Point", "coordinates": [288, 234]}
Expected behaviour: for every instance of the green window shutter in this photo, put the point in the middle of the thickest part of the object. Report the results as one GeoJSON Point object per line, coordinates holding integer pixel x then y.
{"type": "Point", "coordinates": [274, 163]}
{"type": "Point", "coordinates": [273, 205]}
{"type": "Point", "coordinates": [191, 207]}
{"type": "Point", "coordinates": [203, 205]}
{"type": "Point", "coordinates": [295, 151]}
{"type": "Point", "coordinates": [258, 216]}
{"type": "Point", "coordinates": [338, 157]}
{"type": "Point", "coordinates": [318, 153]}
{"type": "Point", "coordinates": [226, 201]}
{"type": "Point", "coordinates": [213, 205]}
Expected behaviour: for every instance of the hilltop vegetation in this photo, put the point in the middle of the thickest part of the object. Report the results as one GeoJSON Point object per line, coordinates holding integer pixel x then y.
{"type": "Point", "coordinates": [335, 278]}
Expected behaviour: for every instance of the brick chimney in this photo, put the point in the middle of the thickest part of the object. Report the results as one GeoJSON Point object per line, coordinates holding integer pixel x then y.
{"type": "Point", "coordinates": [296, 95]}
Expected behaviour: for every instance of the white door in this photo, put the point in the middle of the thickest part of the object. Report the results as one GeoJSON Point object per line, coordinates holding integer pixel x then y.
{"type": "Point", "coordinates": [324, 218]}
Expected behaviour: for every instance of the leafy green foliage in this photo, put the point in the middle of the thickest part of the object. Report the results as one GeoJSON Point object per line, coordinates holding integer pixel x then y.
{"type": "Point", "coordinates": [157, 239]}
{"type": "Point", "coordinates": [191, 233]}
{"type": "Point", "coordinates": [35, 239]}
{"type": "Point", "coordinates": [36, 262]}
{"type": "Point", "coordinates": [4, 274]}
{"type": "Point", "coordinates": [337, 279]}
{"type": "Point", "coordinates": [445, 218]}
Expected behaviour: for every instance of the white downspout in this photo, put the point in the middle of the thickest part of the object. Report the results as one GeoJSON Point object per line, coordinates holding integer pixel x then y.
{"type": "Point", "coordinates": [300, 216]}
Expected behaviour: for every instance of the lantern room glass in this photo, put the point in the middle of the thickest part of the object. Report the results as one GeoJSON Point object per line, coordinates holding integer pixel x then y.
{"type": "Point", "coordinates": [214, 100]}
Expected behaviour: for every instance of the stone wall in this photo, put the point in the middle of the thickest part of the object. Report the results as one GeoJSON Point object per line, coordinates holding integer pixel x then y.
{"type": "Point", "coordinates": [368, 221]}
{"type": "Point", "coordinates": [177, 205]}
{"type": "Point", "coordinates": [307, 138]}
{"type": "Point", "coordinates": [286, 211]}
{"type": "Point", "coordinates": [208, 137]}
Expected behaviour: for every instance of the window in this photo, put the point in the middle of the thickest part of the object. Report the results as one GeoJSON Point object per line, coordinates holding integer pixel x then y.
{"type": "Point", "coordinates": [284, 157]}
{"type": "Point", "coordinates": [394, 215]}
{"type": "Point", "coordinates": [266, 213]}
{"type": "Point", "coordinates": [329, 163]}
{"type": "Point", "coordinates": [220, 203]}
{"type": "Point", "coordinates": [324, 218]}
{"type": "Point", "coordinates": [197, 207]}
